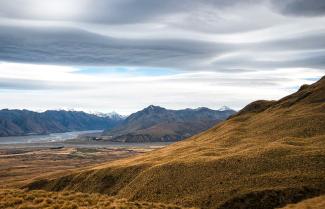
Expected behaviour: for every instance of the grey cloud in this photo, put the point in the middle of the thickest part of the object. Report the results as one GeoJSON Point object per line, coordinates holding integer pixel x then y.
{"type": "Point", "coordinates": [256, 63]}
{"type": "Point", "coordinates": [203, 15]}
{"type": "Point", "coordinates": [300, 7]}
{"type": "Point", "coordinates": [76, 47]}
{"type": "Point", "coordinates": [306, 50]}
{"type": "Point", "coordinates": [208, 16]}
{"type": "Point", "coordinates": [67, 46]}
{"type": "Point", "coordinates": [101, 11]}
{"type": "Point", "coordinates": [19, 84]}
{"type": "Point", "coordinates": [137, 11]}
{"type": "Point", "coordinates": [315, 40]}
{"type": "Point", "coordinates": [22, 84]}
{"type": "Point", "coordinates": [316, 62]}
{"type": "Point", "coordinates": [30, 84]}
{"type": "Point", "coordinates": [131, 11]}
{"type": "Point", "coordinates": [117, 11]}
{"type": "Point", "coordinates": [215, 80]}
{"type": "Point", "coordinates": [208, 79]}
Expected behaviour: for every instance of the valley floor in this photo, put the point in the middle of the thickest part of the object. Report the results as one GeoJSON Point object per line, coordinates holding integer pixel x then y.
{"type": "Point", "coordinates": [23, 164]}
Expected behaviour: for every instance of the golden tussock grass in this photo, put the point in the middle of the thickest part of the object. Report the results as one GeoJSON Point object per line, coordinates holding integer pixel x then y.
{"type": "Point", "coordinates": [37, 199]}
{"type": "Point", "coordinates": [268, 155]}
{"type": "Point", "coordinates": [312, 203]}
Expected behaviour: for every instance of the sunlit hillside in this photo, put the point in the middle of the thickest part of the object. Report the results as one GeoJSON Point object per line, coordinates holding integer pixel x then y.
{"type": "Point", "coordinates": [315, 203]}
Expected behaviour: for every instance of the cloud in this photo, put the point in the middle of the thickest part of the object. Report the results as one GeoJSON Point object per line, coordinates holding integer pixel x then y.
{"type": "Point", "coordinates": [300, 7]}
{"type": "Point", "coordinates": [113, 90]}
{"type": "Point", "coordinates": [204, 53]}
{"type": "Point", "coordinates": [167, 11]}
{"type": "Point", "coordinates": [65, 46]}
{"type": "Point", "coordinates": [35, 85]}
{"type": "Point", "coordinates": [108, 12]}
{"type": "Point", "coordinates": [19, 84]}
{"type": "Point", "coordinates": [77, 47]}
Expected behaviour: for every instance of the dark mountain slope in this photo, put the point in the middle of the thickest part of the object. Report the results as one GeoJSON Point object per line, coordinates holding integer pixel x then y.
{"type": "Point", "coordinates": [256, 159]}
{"type": "Point", "coordinates": [155, 123]}
{"type": "Point", "coordinates": [24, 122]}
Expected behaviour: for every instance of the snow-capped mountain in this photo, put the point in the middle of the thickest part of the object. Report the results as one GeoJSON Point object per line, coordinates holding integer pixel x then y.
{"type": "Point", "coordinates": [224, 108]}
{"type": "Point", "coordinates": [112, 115]}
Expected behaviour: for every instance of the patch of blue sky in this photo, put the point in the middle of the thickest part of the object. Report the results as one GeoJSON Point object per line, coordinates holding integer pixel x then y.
{"type": "Point", "coordinates": [133, 71]}
{"type": "Point", "coordinates": [308, 81]}
{"type": "Point", "coordinates": [312, 79]}
{"type": "Point", "coordinates": [293, 88]}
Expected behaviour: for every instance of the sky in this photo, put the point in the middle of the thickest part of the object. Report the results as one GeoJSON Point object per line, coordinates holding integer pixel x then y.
{"type": "Point", "coordinates": [124, 55]}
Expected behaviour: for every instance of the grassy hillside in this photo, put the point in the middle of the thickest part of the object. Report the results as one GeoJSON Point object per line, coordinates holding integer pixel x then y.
{"type": "Point", "coordinates": [268, 155]}
{"type": "Point", "coordinates": [314, 203]}
{"type": "Point", "coordinates": [21, 199]}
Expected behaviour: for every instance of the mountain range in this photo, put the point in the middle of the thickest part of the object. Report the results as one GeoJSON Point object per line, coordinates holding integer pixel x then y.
{"type": "Point", "coordinates": [268, 155]}
{"type": "Point", "coordinates": [157, 124]}
{"type": "Point", "coordinates": [25, 122]}
{"type": "Point", "coordinates": [151, 124]}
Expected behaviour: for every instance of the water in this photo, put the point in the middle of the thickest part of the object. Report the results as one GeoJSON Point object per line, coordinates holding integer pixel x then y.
{"type": "Point", "coordinates": [55, 137]}
{"type": "Point", "coordinates": [63, 139]}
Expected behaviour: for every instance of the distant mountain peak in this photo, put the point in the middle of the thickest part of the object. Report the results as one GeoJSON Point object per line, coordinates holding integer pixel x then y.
{"type": "Point", "coordinates": [154, 107]}
{"type": "Point", "coordinates": [115, 115]}
{"type": "Point", "coordinates": [202, 108]}
{"type": "Point", "coordinates": [224, 108]}
{"type": "Point", "coordinates": [112, 115]}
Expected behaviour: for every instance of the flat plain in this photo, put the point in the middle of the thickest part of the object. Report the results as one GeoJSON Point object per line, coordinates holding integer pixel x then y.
{"type": "Point", "coordinates": [19, 166]}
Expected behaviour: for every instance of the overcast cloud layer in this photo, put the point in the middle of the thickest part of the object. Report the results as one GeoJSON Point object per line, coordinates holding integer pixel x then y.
{"type": "Point", "coordinates": [173, 53]}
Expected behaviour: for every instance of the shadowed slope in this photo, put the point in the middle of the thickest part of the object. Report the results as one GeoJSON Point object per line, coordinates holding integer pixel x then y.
{"type": "Point", "coordinates": [273, 150]}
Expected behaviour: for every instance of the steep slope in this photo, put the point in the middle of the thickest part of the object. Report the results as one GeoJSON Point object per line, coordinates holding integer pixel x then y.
{"type": "Point", "coordinates": [155, 123]}
{"type": "Point", "coordinates": [23, 122]}
{"type": "Point", "coordinates": [266, 156]}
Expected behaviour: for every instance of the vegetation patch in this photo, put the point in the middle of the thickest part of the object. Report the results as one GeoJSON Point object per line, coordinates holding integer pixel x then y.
{"type": "Point", "coordinates": [38, 199]}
